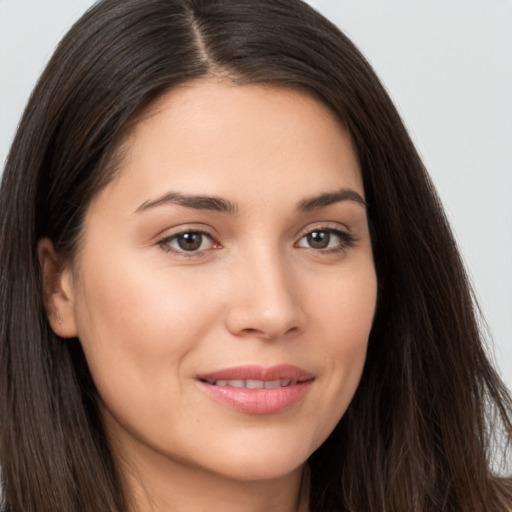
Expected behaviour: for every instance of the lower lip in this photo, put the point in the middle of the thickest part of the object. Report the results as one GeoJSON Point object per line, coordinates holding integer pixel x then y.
{"type": "Point", "coordinates": [258, 401]}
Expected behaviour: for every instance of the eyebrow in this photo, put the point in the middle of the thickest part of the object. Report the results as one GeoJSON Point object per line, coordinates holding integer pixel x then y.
{"type": "Point", "coordinates": [326, 199]}
{"type": "Point", "coordinates": [218, 204]}
{"type": "Point", "coordinates": [196, 202]}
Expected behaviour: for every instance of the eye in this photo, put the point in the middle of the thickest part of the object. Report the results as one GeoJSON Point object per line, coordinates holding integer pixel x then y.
{"type": "Point", "coordinates": [188, 242]}
{"type": "Point", "coordinates": [326, 239]}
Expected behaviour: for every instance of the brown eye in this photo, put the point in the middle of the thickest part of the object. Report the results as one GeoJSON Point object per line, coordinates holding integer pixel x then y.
{"type": "Point", "coordinates": [318, 239]}
{"type": "Point", "coordinates": [189, 241]}
{"type": "Point", "coordinates": [326, 240]}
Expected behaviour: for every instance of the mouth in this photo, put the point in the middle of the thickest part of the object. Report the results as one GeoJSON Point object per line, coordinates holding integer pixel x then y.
{"type": "Point", "coordinates": [256, 389]}
{"type": "Point", "coordinates": [254, 384]}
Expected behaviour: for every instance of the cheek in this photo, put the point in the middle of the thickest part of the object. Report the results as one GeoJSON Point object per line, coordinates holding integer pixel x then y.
{"type": "Point", "coordinates": [346, 307]}
{"type": "Point", "coordinates": [341, 307]}
{"type": "Point", "coordinates": [135, 320]}
{"type": "Point", "coordinates": [345, 317]}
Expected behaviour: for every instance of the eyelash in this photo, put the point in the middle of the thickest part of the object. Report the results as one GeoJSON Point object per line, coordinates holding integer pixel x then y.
{"type": "Point", "coordinates": [347, 240]}
{"type": "Point", "coordinates": [165, 243]}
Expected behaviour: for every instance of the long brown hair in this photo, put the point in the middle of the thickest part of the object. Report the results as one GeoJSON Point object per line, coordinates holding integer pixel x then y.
{"type": "Point", "coordinates": [418, 433]}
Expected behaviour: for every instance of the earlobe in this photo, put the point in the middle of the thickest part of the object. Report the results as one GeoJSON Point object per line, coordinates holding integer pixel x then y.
{"type": "Point", "coordinates": [58, 290]}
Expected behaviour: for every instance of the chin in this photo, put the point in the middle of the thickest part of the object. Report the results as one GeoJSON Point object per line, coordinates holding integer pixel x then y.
{"type": "Point", "coordinates": [257, 462]}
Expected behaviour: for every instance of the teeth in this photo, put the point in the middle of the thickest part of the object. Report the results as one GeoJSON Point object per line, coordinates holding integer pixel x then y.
{"type": "Point", "coordinates": [254, 384]}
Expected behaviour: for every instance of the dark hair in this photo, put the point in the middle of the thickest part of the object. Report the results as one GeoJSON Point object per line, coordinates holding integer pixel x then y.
{"type": "Point", "coordinates": [418, 433]}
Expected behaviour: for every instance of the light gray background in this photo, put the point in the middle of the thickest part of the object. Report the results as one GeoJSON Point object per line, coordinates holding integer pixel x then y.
{"type": "Point", "coordinates": [447, 65]}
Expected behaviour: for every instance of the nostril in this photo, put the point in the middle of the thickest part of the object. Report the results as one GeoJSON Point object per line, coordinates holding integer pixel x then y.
{"type": "Point", "coordinates": [269, 335]}
{"type": "Point", "coordinates": [257, 333]}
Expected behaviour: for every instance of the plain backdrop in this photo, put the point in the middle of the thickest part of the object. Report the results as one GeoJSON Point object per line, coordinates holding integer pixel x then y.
{"type": "Point", "coordinates": [447, 64]}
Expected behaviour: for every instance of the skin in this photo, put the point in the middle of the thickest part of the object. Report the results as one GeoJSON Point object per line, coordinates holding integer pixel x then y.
{"type": "Point", "coordinates": [151, 316]}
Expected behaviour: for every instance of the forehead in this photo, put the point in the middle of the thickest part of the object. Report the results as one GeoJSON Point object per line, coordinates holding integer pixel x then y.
{"type": "Point", "coordinates": [215, 137]}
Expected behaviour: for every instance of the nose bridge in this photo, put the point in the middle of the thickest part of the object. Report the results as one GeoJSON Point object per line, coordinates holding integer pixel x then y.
{"type": "Point", "coordinates": [267, 303]}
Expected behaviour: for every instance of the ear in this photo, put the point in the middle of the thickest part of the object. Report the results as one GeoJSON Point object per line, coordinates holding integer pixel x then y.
{"type": "Point", "coordinates": [58, 290]}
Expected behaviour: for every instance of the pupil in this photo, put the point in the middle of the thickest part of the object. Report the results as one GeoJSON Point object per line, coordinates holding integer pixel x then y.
{"type": "Point", "coordinates": [190, 241]}
{"type": "Point", "coordinates": [318, 239]}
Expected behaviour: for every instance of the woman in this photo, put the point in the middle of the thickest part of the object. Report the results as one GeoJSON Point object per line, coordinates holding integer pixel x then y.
{"type": "Point", "coordinates": [227, 282]}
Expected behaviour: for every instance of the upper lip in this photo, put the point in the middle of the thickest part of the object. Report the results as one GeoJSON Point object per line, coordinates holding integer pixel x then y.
{"type": "Point", "coordinates": [256, 372]}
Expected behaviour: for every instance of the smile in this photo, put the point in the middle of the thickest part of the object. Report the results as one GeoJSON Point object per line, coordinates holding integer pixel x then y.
{"type": "Point", "coordinates": [257, 390]}
{"type": "Point", "coordinates": [254, 384]}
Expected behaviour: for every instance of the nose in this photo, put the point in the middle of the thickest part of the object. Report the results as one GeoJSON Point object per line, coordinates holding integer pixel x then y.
{"type": "Point", "coordinates": [265, 301]}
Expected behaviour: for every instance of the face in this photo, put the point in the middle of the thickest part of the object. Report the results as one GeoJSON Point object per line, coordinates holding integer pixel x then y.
{"type": "Point", "coordinates": [224, 288]}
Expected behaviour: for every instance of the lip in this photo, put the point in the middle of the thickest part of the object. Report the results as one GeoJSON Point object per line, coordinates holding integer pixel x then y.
{"type": "Point", "coordinates": [258, 401]}
{"type": "Point", "coordinates": [256, 372]}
